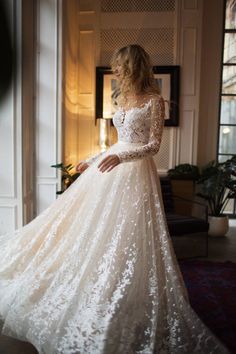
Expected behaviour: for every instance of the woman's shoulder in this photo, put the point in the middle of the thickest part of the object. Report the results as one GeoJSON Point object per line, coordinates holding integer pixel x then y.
{"type": "Point", "coordinates": [155, 98]}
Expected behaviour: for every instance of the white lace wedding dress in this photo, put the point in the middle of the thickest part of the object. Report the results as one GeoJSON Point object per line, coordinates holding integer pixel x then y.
{"type": "Point", "coordinates": [95, 272]}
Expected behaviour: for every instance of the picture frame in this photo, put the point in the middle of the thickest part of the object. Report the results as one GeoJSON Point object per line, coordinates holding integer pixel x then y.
{"type": "Point", "coordinates": [167, 77]}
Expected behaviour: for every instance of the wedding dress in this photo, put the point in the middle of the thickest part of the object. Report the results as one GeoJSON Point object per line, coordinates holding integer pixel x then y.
{"type": "Point", "coordinates": [95, 273]}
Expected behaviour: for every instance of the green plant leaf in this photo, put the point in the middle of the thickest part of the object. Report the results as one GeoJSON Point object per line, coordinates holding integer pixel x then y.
{"type": "Point", "coordinates": [218, 184]}
{"type": "Point", "coordinates": [59, 165]}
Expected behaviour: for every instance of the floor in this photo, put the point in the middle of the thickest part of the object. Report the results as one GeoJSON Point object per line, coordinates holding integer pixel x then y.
{"type": "Point", "coordinates": [220, 249]}
{"type": "Point", "coordinates": [224, 248]}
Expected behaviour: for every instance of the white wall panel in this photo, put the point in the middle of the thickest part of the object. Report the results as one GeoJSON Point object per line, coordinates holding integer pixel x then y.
{"type": "Point", "coordinates": [8, 217]}
{"type": "Point", "coordinates": [11, 133]}
{"type": "Point", "coordinates": [46, 194]}
{"type": "Point", "coordinates": [47, 88]}
{"type": "Point", "coordinates": [48, 121]}
{"type": "Point", "coordinates": [7, 141]}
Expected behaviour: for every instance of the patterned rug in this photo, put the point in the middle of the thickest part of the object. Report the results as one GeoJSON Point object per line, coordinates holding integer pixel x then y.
{"type": "Point", "coordinates": [212, 292]}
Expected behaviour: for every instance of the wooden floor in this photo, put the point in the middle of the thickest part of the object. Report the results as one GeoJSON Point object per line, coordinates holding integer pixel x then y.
{"type": "Point", "coordinates": [220, 249]}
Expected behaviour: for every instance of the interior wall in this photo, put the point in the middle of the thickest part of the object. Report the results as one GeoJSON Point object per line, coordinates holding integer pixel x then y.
{"type": "Point", "coordinates": [70, 106]}
{"type": "Point", "coordinates": [153, 25]}
{"type": "Point", "coordinates": [196, 48]}
{"type": "Point", "coordinates": [169, 31]}
{"type": "Point", "coordinates": [11, 132]}
{"type": "Point", "coordinates": [48, 102]}
{"type": "Point", "coordinates": [28, 107]}
{"type": "Point", "coordinates": [189, 48]}
{"type": "Point", "coordinates": [79, 58]}
{"type": "Point", "coordinates": [212, 37]}
{"type": "Point", "coordinates": [30, 115]}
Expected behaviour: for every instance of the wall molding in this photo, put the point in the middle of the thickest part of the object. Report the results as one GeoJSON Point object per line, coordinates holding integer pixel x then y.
{"type": "Point", "coordinates": [48, 97]}
{"type": "Point", "coordinates": [11, 128]}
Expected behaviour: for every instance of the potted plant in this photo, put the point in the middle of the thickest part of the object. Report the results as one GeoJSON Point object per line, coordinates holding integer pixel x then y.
{"type": "Point", "coordinates": [67, 176]}
{"type": "Point", "coordinates": [217, 184]}
{"type": "Point", "coordinates": [184, 171]}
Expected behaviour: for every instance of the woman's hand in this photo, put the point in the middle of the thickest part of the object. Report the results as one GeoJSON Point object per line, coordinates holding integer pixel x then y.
{"type": "Point", "coordinates": [108, 163]}
{"type": "Point", "coordinates": [81, 167]}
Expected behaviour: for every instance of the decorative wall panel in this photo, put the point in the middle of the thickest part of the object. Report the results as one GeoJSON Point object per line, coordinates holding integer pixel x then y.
{"type": "Point", "coordinates": [46, 193]}
{"type": "Point", "coordinates": [86, 59]}
{"type": "Point", "coordinates": [187, 137]}
{"type": "Point", "coordinates": [71, 68]}
{"type": "Point", "coordinates": [86, 124]}
{"type": "Point", "coordinates": [7, 142]}
{"type": "Point", "coordinates": [48, 117]}
{"type": "Point", "coordinates": [135, 6]}
{"type": "Point", "coordinates": [8, 217]}
{"type": "Point", "coordinates": [189, 61]}
{"type": "Point", "coordinates": [11, 132]}
{"type": "Point", "coordinates": [46, 123]}
{"type": "Point", "coordinates": [158, 42]}
{"type": "Point", "coordinates": [163, 157]}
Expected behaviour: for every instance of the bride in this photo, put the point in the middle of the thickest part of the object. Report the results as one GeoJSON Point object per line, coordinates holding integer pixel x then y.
{"type": "Point", "coordinates": [95, 273]}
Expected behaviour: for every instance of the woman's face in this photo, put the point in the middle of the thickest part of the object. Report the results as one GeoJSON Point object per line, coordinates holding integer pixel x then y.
{"type": "Point", "coordinates": [118, 70]}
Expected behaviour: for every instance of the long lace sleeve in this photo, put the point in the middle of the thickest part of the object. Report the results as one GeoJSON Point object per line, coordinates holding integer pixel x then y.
{"type": "Point", "coordinates": [156, 130]}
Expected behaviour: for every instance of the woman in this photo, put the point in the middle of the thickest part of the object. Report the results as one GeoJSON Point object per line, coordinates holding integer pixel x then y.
{"type": "Point", "coordinates": [95, 273]}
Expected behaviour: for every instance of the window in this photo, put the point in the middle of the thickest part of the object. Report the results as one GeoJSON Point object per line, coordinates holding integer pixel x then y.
{"type": "Point", "coordinates": [227, 119]}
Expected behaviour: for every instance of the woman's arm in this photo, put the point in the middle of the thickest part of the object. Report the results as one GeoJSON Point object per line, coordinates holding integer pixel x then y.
{"type": "Point", "coordinates": [156, 131]}
{"type": "Point", "coordinates": [83, 165]}
{"type": "Point", "coordinates": [92, 159]}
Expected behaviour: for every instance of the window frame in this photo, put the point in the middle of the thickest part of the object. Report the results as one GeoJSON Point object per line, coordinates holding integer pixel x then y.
{"type": "Point", "coordinates": [221, 94]}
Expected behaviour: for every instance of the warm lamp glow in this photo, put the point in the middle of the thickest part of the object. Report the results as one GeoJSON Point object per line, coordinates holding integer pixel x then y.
{"type": "Point", "coordinates": [108, 86]}
{"type": "Point", "coordinates": [104, 134]}
{"type": "Point", "coordinates": [71, 90]}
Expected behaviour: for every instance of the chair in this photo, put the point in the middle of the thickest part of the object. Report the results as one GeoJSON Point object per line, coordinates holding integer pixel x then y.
{"type": "Point", "coordinates": [187, 221]}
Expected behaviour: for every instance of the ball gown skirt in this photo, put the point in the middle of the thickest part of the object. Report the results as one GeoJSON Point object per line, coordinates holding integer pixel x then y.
{"type": "Point", "coordinates": [96, 272]}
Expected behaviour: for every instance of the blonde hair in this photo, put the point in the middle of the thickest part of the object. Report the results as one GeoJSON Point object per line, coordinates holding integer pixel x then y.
{"type": "Point", "coordinates": [136, 74]}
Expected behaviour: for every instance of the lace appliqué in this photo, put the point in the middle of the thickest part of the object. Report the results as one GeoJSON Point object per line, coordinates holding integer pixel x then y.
{"type": "Point", "coordinates": [141, 125]}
